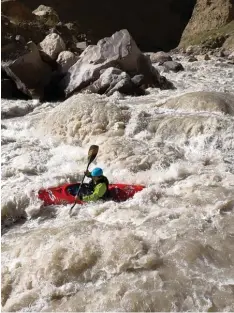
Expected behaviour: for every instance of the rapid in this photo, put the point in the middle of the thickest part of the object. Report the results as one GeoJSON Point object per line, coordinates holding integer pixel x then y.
{"type": "Point", "coordinates": [170, 248]}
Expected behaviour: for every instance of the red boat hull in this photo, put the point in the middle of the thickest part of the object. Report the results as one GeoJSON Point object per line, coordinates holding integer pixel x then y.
{"type": "Point", "coordinates": [60, 195]}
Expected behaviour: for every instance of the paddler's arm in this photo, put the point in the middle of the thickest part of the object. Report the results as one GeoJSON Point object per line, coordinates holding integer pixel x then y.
{"type": "Point", "coordinates": [99, 191]}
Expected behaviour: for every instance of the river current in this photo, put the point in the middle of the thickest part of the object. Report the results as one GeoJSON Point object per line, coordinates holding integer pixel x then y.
{"type": "Point", "coordinates": [170, 248]}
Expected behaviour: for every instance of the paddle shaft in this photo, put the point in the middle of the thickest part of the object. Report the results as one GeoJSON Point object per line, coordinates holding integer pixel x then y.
{"type": "Point", "coordinates": [93, 151]}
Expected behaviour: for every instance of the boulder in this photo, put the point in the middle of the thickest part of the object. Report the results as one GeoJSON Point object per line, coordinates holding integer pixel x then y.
{"type": "Point", "coordinates": [81, 45]}
{"type": "Point", "coordinates": [113, 79]}
{"type": "Point", "coordinates": [52, 45]}
{"type": "Point", "coordinates": [192, 59]}
{"type": "Point", "coordinates": [228, 45]}
{"type": "Point", "coordinates": [173, 66]}
{"type": "Point", "coordinates": [231, 56]}
{"type": "Point", "coordinates": [47, 14]}
{"type": "Point", "coordinates": [65, 60]}
{"type": "Point", "coordinates": [206, 57]}
{"type": "Point", "coordinates": [138, 80]}
{"type": "Point", "coordinates": [203, 101]}
{"type": "Point", "coordinates": [120, 51]}
{"type": "Point", "coordinates": [160, 57]}
{"type": "Point", "coordinates": [25, 67]}
{"type": "Point", "coordinates": [193, 49]}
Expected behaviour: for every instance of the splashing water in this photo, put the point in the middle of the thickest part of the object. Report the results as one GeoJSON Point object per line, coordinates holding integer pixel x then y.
{"type": "Point", "coordinates": [170, 248]}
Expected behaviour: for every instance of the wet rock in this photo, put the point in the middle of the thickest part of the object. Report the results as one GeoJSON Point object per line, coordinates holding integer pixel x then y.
{"type": "Point", "coordinates": [203, 101]}
{"type": "Point", "coordinates": [120, 51]}
{"type": "Point", "coordinates": [138, 80]}
{"type": "Point", "coordinates": [173, 66]}
{"type": "Point", "coordinates": [203, 57]}
{"type": "Point", "coordinates": [65, 60]}
{"type": "Point", "coordinates": [206, 57]}
{"type": "Point", "coordinates": [192, 59]}
{"type": "Point", "coordinates": [48, 15]}
{"type": "Point", "coordinates": [52, 45]}
{"type": "Point", "coordinates": [113, 79]}
{"type": "Point", "coordinates": [165, 84]}
{"type": "Point", "coordinates": [25, 67]}
{"type": "Point", "coordinates": [160, 57]}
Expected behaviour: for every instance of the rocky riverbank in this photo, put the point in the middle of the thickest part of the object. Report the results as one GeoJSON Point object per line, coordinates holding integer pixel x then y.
{"type": "Point", "coordinates": [47, 58]}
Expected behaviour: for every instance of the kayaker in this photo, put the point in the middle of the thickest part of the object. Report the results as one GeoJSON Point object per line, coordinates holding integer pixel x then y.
{"type": "Point", "coordinates": [98, 186]}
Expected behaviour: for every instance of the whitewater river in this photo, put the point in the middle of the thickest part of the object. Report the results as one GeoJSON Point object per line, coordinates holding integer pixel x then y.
{"type": "Point", "coordinates": [171, 247]}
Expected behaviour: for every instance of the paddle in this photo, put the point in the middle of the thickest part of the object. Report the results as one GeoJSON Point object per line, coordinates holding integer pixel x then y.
{"type": "Point", "coordinates": [93, 151]}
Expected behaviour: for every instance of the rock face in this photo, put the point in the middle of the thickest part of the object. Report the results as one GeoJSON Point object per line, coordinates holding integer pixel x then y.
{"type": "Point", "coordinates": [119, 51]}
{"type": "Point", "coordinates": [147, 22]}
{"type": "Point", "coordinates": [208, 15]}
{"type": "Point", "coordinates": [16, 11]}
{"type": "Point", "coordinates": [25, 67]}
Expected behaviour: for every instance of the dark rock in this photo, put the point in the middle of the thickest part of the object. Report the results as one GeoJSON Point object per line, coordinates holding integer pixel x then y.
{"type": "Point", "coordinates": [166, 84]}
{"type": "Point", "coordinates": [7, 88]}
{"type": "Point", "coordinates": [138, 80]}
{"type": "Point", "coordinates": [21, 39]}
{"type": "Point", "coordinates": [47, 59]}
{"type": "Point", "coordinates": [47, 14]}
{"type": "Point", "coordinates": [25, 67]}
{"type": "Point", "coordinates": [51, 91]}
{"type": "Point", "coordinates": [36, 31]}
{"type": "Point", "coordinates": [113, 79]}
{"type": "Point", "coordinates": [173, 66]}
{"type": "Point", "coordinates": [155, 25]}
{"type": "Point", "coordinates": [160, 57]}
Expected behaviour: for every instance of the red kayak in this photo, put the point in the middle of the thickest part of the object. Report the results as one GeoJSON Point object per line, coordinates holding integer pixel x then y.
{"type": "Point", "coordinates": [65, 194]}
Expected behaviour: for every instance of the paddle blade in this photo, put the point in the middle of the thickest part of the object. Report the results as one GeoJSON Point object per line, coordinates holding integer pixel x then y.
{"type": "Point", "coordinates": [93, 151]}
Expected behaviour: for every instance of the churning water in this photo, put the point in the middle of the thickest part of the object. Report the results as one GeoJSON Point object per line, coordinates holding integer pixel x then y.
{"type": "Point", "coordinates": [171, 247]}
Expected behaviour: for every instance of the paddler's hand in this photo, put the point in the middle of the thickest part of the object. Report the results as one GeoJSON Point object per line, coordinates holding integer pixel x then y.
{"type": "Point", "coordinates": [87, 173]}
